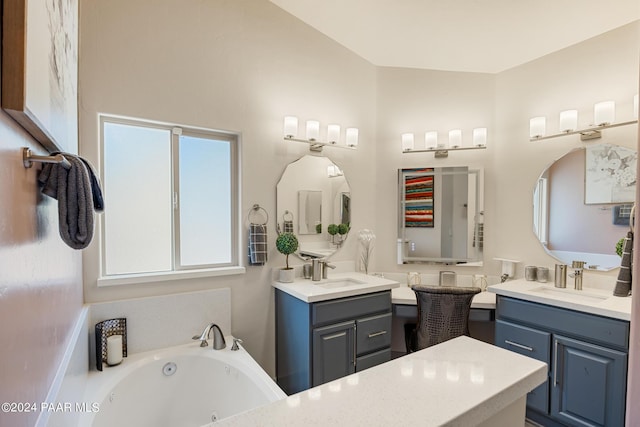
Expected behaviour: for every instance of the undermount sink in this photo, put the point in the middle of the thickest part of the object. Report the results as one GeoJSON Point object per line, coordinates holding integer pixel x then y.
{"type": "Point", "coordinates": [569, 294]}
{"type": "Point", "coordinates": [340, 283]}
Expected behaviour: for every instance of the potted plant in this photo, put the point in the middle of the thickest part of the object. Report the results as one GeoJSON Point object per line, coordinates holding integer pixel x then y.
{"type": "Point", "coordinates": [287, 243]}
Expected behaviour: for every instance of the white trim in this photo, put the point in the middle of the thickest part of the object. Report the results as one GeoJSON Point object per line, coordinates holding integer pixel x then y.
{"type": "Point", "coordinates": [131, 279]}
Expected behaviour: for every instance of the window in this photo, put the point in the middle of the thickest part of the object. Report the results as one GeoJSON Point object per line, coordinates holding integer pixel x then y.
{"type": "Point", "coordinates": [170, 199]}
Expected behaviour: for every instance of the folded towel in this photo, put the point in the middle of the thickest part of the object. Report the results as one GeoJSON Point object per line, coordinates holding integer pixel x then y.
{"type": "Point", "coordinates": [623, 284]}
{"type": "Point", "coordinates": [72, 188]}
{"type": "Point", "coordinates": [257, 244]}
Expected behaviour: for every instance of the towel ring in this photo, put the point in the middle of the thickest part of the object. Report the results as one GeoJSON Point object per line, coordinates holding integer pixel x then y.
{"type": "Point", "coordinates": [255, 209]}
{"type": "Point", "coordinates": [284, 216]}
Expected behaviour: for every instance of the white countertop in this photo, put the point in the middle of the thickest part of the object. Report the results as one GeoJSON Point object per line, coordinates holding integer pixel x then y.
{"type": "Point", "coordinates": [310, 291]}
{"type": "Point", "coordinates": [460, 382]}
{"type": "Point", "coordinates": [588, 300]}
{"type": "Point", "coordinates": [405, 295]}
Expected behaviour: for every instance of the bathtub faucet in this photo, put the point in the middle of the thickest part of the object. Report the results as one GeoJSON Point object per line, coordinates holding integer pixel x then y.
{"type": "Point", "coordinates": [218, 337]}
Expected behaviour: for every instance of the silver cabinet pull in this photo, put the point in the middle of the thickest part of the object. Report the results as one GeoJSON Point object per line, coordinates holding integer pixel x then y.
{"type": "Point", "coordinates": [355, 351]}
{"type": "Point", "coordinates": [515, 344]}
{"type": "Point", "coordinates": [555, 363]}
{"type": "Point", "coordinates": [377, 334]}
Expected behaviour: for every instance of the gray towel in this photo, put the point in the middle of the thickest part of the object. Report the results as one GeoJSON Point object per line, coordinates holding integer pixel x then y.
{"type": "Point", "coordinates": [257, 244]}
{"type": "Point", "coordinates": [623, 284]}
{"type": "Point", "coordinates": [72, 188]}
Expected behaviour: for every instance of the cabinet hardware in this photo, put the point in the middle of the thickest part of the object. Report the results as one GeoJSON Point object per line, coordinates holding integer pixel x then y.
{"type": "Point", "coordinates": [376, 334]}
{"type": "Point", "coordinates": [555, 363]}
{"type": "Point", "coordinates": [354, 345]}
{"type": "Point", "coordinates": [515, 344]}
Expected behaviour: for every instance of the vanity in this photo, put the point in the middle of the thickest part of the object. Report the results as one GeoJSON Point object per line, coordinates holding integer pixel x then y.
{"type": "Point", "coordinates": [331, 328]}
{"type": "Point", "coordinates": [583, 336]}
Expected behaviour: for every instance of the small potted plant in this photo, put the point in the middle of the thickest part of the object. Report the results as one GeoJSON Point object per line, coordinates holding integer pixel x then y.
{"type": "Point", "coordinates": [287, 243]}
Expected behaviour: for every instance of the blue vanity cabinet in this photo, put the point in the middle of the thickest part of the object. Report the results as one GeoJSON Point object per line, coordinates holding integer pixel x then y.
{"type": "Point", "coordinates": [587, 357]}
{"type": "Point", "coordinates": [323, 341]}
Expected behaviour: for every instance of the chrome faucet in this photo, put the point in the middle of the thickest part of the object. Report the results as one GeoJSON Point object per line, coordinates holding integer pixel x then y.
{"type": "Point", "coordinates": [325, 265]}
{"type": "Point", "coordinates": [218, 338]}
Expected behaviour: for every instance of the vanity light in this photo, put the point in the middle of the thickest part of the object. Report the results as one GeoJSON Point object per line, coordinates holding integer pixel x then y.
{"type": "Point", "coordinates": [455, 138]}
{"type": "Point", "coordinates": [431, 139]}
{"type": "Point", "coordinates": [407, 142]}
{"type": "Point", "coordinates": [480, 137]}
{"type": "Point", "coordinates": [333, 134]}
{"type": "Point", "coordinates": [537, 127]}
{"type": "Point", "coordinates": [352, 137]}
{"type": "Point", "coordinates": [313, 130]}
{"type": "Point", "coordinates": [603, 114]}
{"type": "Point", "coordinates": [440, 148]}
{"type": "Point", "coordinates": [313, 134]}
{"type": "Point", "coordinates": [290, 126]}
{"type": "Point", "coordinates": [568, 120]}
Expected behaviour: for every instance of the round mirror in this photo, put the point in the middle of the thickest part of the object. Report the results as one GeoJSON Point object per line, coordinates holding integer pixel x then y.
{"type": "Point", "coordinates": [582, 204]}
{"type": "Point", "coordinates": [313, 200]}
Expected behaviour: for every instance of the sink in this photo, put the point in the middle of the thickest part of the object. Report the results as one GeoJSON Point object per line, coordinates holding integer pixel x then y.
{"type": "Point", "coordinates": [569, 294]}
{"type": "Point", "coordinates": [340, 283]}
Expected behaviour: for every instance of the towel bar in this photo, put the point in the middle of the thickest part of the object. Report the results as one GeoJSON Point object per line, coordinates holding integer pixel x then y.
{"type": "Point", "coordinates": [28, 158]}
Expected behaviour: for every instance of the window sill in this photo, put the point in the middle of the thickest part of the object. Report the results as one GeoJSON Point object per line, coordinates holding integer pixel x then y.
{"type": "Point", "coordinates": [132, 279]}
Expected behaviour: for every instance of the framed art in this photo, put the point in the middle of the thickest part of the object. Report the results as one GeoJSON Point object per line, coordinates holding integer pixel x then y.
{"type": "Point", "coordinates": [610, 174]}
{"type": "Point", "coordinates": [40, 69]}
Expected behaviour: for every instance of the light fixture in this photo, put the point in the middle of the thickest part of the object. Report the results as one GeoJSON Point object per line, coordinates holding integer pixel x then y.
{"type": "Point", "coordinates": [313, 134]}
{"type": "Point", "coordinates": [568, 120]}
{"type": "Point", "coordinates": [441, 147]}
{"type": "Point", "coordinates": [603, 116]}
{"type": "Point", "coordinates": [407, 142]}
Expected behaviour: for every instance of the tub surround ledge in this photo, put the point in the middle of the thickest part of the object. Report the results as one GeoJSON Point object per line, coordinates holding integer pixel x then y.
{"type": "Point", "coordinates": [461, 382]}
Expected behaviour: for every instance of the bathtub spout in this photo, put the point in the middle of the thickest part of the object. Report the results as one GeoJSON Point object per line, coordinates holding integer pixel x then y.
{"type": "Point", "coordinates": [218, 338]}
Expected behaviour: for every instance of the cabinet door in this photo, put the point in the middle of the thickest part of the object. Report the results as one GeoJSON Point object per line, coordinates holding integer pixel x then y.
{"type": "Point", "coordinates": [334, 353]}
{"type": "Point", "coordinates": [588, 384]}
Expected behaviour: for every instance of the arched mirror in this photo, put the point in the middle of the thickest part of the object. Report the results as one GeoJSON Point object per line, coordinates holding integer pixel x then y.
{"type": "Point", "coordinates": [582, 204]}
{"type": "Point", "coordinates": [314, 202]}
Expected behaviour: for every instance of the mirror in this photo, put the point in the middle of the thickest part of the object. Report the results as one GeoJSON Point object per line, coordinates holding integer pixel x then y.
{"type": "Point", "coordinates": [312, 194]}
{"type": "Point", "coordinates": [441, 216]}
{"type": "Point", "coordinates": [582, 204]}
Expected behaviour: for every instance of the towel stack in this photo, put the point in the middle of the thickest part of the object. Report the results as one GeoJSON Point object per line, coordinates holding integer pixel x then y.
{"type": "Point", "coordinates": [257, 244]}
{"type": "Point", "coordinates": [79, 195]}
{"type": "Point", "coordinates": [623, 284]}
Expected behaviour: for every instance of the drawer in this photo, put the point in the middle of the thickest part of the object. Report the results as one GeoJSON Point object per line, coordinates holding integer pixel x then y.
{"type": "Point", "coordinates": [373, 359]}
{"type": "Point", "coordinates": [523, 340]}
{"type": "Point", "coordinates": [373, 333]}
{"type": "Point", "coordinates": [589, 327]}
{"type": "Point", "coordinates": [349, 308]}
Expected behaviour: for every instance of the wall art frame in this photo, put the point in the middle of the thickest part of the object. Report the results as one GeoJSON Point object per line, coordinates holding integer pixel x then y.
{"type": "Point", "coordinates": [40, 70]}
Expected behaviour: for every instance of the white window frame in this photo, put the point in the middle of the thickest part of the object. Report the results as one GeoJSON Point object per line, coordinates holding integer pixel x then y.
{"type": "Point", "coordinates": [235, 266]}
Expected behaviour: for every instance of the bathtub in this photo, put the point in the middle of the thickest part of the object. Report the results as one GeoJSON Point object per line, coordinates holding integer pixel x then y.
{"type": "Point", "coordinates": [186, 385]}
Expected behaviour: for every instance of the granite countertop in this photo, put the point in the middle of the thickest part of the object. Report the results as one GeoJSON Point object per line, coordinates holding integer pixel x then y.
{"type": "Point", "coordinates": [460, 382]}
{"type": "Point", "coordinates": [338, 285]}
{"type": "Point", "coordinates": [405, 295]}
{"type": "Point", "coordinates": [588, 300]}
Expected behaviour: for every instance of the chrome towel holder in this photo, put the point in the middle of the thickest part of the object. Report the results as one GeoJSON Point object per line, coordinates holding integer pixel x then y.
{"type": "Point", "coordinates": [28, 158]}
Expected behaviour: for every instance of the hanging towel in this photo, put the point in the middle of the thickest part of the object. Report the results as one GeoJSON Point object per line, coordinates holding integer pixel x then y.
{"type": "Point", "coordinates": [257, 244]}
{"type": "Point", "coordinates": [77, 198]}
{"type": "Point", "coordinates": [623, 284]}
{"type": "Point", "coordinates": [287, 226]}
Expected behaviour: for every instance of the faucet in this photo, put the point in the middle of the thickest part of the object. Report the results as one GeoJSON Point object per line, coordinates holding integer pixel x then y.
{"type": "Point", "coordinates": [325, 265]}
{"type": "Point", "coordinates": [218, 337]}
{"type": "Point", "coordinates": [577, 274]}
{"type": "Point", "coordinates": [319, 268]}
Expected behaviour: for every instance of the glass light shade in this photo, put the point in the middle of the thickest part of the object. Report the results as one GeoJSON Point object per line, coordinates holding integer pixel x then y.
{"type": "Point", "coordinates": [480, 137]}
{"type": "Point", "coordinates": [568, 120]}
{"type": "Point", "coordinates": [604, 113]}
{"type": "Point", "coordinates": [333, 134]}
{"type": "Point", "coordinates": [407, 142]}
{"type": "Point", "coordinates": [313, 130]}
{"type": "Point", "coordinates": [352, 137]}
{"type": "Point", "coordinates": [455, 138]}
{"type": "Point", "coordinates": [537, 127]}
{"type": "Point", "coordinates": [290, 126]}
{"type": "Point", "coordinates": [431, 139]}
{"type": "Point", "coordinates": [635, 106]}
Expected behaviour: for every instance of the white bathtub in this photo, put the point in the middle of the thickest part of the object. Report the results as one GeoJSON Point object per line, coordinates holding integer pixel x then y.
{"type": "Point", "coordinates": [206, 385]}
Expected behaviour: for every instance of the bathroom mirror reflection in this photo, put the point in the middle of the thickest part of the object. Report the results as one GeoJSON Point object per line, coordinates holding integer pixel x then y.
{"type": "Point", "coordinates": [313, 193]}
{"type": "Point", "coordinates": [441, 216]}
{"type": "Point", "coordinates": [582, 204]}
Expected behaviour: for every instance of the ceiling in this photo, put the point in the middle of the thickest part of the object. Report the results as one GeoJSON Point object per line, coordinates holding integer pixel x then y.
{"type": "Point", "coordinates": [460, 35]}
